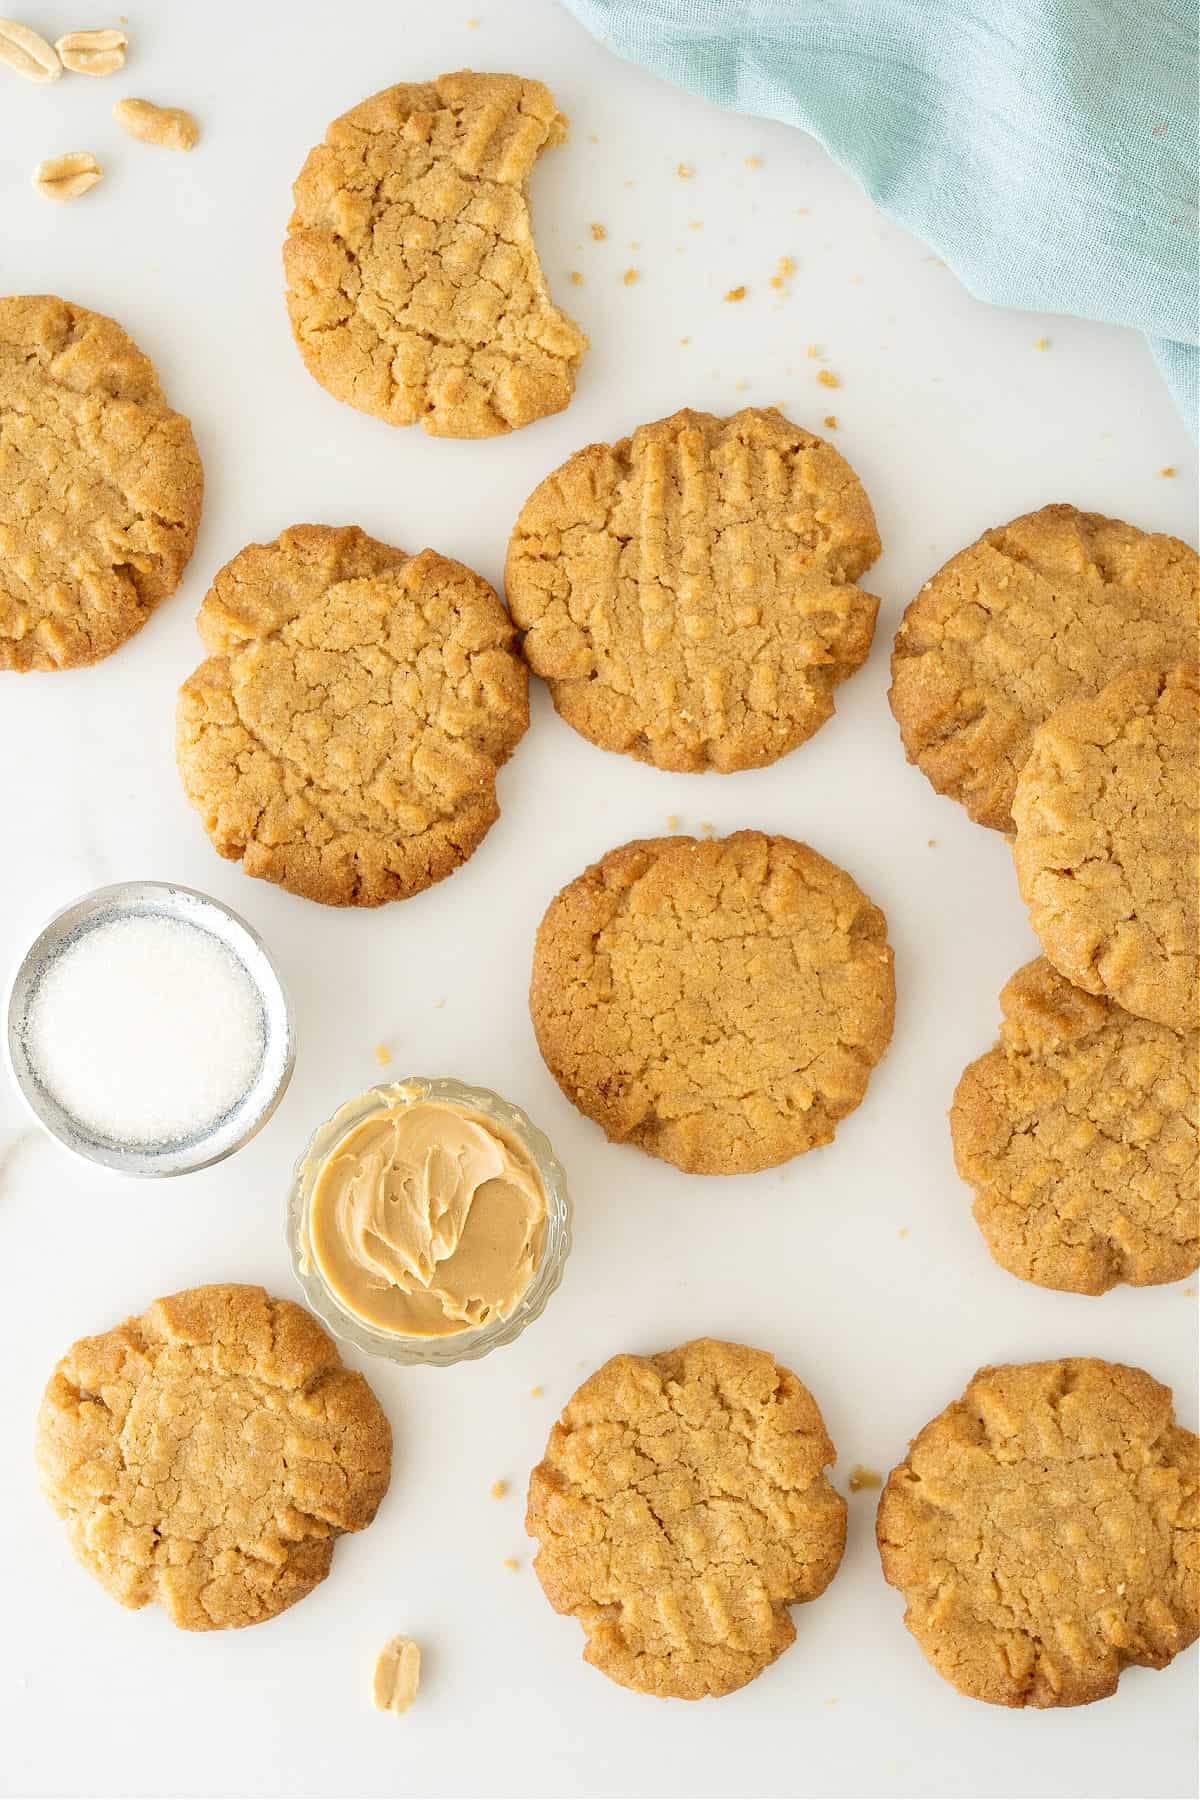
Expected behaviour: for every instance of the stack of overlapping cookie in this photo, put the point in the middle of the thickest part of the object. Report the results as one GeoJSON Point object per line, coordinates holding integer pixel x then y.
{"type": "Point", "coordinates": [690, 595]}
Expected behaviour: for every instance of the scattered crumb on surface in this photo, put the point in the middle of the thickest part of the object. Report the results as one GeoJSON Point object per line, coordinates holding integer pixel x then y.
{"type": "Point", "coordinates": [498, 1489]}
{"type": "Point", "coordinates": [861, 1477]}
{"type": "Point", "coordinates": [706, 828]}
{"type": "Point", "coordinates": [684, 171]}
{"type": "Point", "coordinates": [783, 269]}
{"type": "Point", "coordinates": [737, 293]}
{"type": "Point", "coordinates": [537, 1392]}
{"type": "Point", "coordinates": [856, 281]}
{"type": "Point", "coordinates": [383, 1055]}
{"type": "Point", "coordinates": [831, 421]}
{"type": "Point", "coordinates": [695, 224]}
{"type": "Point", "coordinates": [1168, 471]}
{"type": "Point", "coordinates": [592, 138]}
{"type": "Point", "coordinates": [827, 378]}
{"type": "Point", "coordinates": [510, 1562]}
{"type": "Point", "coordinates": [1189, 1293]}
{"type": "Point", "coordinates": [740, 386]}
{"type": "Point", "coordinates": [672, 821]}
{"type": "Point", "coordinates": [904, 1231]}
{"type": "Point", "coordinates": [812, 350]}
{"type": "Point", "coordinates": [396, 1676]}
{"type": "Point", "coordinates": [685, 340]}
{"type": "Point", "coordinates": [629, 277]}
{"type": "Point", "coordinates": [754, 162]}
{"type": "Point", "coordinates": [440, 1003]}
{"type": "Point", "coordinates": [1041, 343]}
{"type": "Point", "coordinates": [599, 232]}
{"type": "Point", "coordinates": [576, 278]}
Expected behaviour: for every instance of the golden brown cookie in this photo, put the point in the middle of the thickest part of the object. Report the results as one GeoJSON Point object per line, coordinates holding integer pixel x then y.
{"type": "Point", "coordinates": [1040, 611]}
{"type": "Point", "coordinates": [414, 287]}
{"type": "Point", "coordinates": [718, 1002]}
{"type": "Point", "coordinates": [1078, 1133]}
{"type": "Point", "coordinates": [207, 1453]}
{"type": "Point", "coordinates": [344, 736]}
{"type": "Point", "coordinates": [1107, 812]}
{"type": "Point", "coordinates": [682, 1507]}
{"type": "Point", "coordinates": [100, 486]}
{"type": "Point", "coordinates": [688, 593]}
{"type": "Point", "coordinates": [1043, 1532]}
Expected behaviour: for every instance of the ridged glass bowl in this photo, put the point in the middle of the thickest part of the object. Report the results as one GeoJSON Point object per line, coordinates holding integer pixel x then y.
{"type": "Point", "coordinates": [472, 1341]}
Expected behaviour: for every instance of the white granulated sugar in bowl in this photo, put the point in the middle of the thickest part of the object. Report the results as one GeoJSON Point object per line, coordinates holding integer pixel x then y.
{"type": "Point", "coordinates": [146, 1030]}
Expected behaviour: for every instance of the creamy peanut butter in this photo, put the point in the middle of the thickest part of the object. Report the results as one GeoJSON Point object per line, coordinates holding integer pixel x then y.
{"type": "Point", "coordinates": [427, 1219]}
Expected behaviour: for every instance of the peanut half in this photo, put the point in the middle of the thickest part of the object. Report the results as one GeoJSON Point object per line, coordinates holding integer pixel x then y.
{"type": "Point", "coordinates": [26, 53]}
{"type": "Point", "coordinates": [66, 177]}
{"type": "Point", "coordinates": [397, 1675]}
{"type": "Point", "coordinates": [166, 125]}
{"type": "Point", "coordinates": [93, 52]}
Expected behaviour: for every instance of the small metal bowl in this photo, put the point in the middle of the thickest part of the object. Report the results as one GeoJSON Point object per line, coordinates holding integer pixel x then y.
{"type": "Point", "coordinates": [239, 1123]}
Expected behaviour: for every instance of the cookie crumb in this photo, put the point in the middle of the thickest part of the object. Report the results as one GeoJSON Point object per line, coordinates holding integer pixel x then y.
{"type": "Point", "coordinates": [740, 386]}
{"type": "Point", "coordinates": [754, 162]}
{"type": "Point", "coordinates": [1189, 1293]}
{"type": "Point", "coordinates": [861, 1478]}
{"type": "Point", "coordinates": [576, 278]}
{"type": "Point", "coordinates": [383, 1055]}
{"type": "Point", "coordinates": [438, 1004]}
{"type": "Point", "coordinates": [498, 1489]}
{"type": "Point", "coordinates": [695, 224]}
{"type": "Point", "coordinates": [812, 350]}
{"type": "Point", "coordinates": [629, 277]}
{"type": "Point", "coordinates": [684, 171]}
{"type": "Point", "coordinates": [706, 828]}
{"type": "Point", "coordinates": [510, 1562]}
{"type": "Point", "coordinates": [783, 269]}
{"type": "Point", "coordinates": [397, 1675]}
{"type": "Point", "coordinates": [685, 340]}
{"type": "Point", "coordinates": [672, 821]}
{"type": "Point", "coordinates": [1168, 471]}
{"type": "Point", "coordinates": [827, 378]}
{"type": "Point", "coordinates": [537, 1392]}
{"type": "Point", "coordinates": [930, 842]}
{"type": "Point", "coordinates": [737, 293]}
{"type": "Point", "coordinates": [831, 421]}
{"type": "Point", "coordinates": [1041, 343]}
{"type": "Point", "coordinates": [599, 232]}
{"type": "Point", "coordinates": [904, 1231]}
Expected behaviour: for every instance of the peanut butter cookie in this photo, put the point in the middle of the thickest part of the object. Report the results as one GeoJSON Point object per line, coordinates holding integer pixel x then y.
{"type": "Point", "coordinates": [344, 736]}
{"type": "Point", "coordinates": [1108, 816]}
{"type": "Point", "coordinates": [1040, 611]}
{"type": "Point", "coordinates": [414, 287]}
{"type": "Point", "coordinates": [681, 1508]}
{"type": "Point", "coordinates": [207, 1454]}
{"type": "Point", "coordinates": [717, 1002]}
{"type": "Point", "coordinates": [1043, 1532]}
{"type": "Point", "coordinates": [688, 593]}
{"type": "Point", "coordinates": [1079, 1135]}
{"type": "Point", "coordinates": [100, 486]}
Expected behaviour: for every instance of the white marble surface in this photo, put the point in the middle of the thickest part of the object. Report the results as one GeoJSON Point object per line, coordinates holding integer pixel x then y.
{"type": "Point", "coordinates": [859, 1265]}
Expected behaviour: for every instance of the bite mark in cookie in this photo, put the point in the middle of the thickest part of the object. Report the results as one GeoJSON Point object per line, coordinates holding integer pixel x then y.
{"type": "Point", "coordinates": [414, 288]}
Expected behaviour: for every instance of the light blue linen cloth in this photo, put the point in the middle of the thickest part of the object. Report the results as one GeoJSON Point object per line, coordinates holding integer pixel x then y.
{"type": "Point", "coordinates": [1046, 149]}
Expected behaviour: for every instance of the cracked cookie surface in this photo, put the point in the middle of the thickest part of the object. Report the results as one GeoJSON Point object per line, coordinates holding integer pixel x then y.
{"type": "Point", "coordinates": [689, 593]}
{"type": "Point", "coordinates": [681, 1508]}
{"type": "Point", "coordinates": [720, 1003]}
{"type": "Point", "coordinates": [414, 287]}
{"type": "Point", "coordinates": [206, 1454]}
{"type": "Point", "coordinates": [1040, 611]}
{"type": "Point", "coordinates": [344, 736]}
{"type": "Point", "coordinates": [1106, 848]}
{"type": "Point", "coordinates": [100, 486]}
{"type": "Point", "coordinates": [1079, 1135]}
{"type": "Point", "coordinates": [1043, 1532]}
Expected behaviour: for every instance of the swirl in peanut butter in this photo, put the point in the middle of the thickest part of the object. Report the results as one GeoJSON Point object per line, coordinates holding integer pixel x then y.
{"type": "Point", "coordinates": [427, 1219]}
